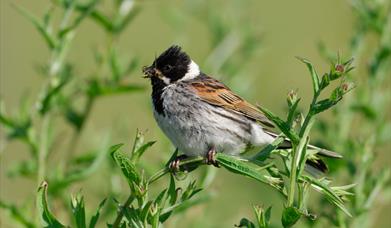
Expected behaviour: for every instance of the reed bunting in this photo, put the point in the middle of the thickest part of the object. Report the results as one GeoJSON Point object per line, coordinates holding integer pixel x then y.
{"type": "Point", "coordinates": [202, 116]}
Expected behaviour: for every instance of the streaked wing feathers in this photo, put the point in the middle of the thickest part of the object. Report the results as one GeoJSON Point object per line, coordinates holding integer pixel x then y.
{"type": "Point", "coordinates": [216, 93]}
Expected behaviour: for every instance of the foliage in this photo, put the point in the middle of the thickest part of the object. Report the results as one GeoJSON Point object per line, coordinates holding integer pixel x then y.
{"type": "Point", "coordinates": [68, 97]}
{"type": "Point", "coordinates": [65, 96]}
{"type": "Point", "coordinates": [295, 160]}
{"type": "Point", "coordinates": [370, 105]}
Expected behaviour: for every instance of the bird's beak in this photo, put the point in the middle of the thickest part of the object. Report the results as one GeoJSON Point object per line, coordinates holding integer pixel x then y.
{"type": "Point", "coordinates": [149, 71]}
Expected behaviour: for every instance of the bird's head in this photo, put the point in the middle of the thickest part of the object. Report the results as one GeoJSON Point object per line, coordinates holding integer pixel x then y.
{"type": "Point", "coordinates": [171, 66]}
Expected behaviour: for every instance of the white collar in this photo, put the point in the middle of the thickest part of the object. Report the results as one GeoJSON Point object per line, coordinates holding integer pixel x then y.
{"type": "Point", "coordinates": [192, 72]}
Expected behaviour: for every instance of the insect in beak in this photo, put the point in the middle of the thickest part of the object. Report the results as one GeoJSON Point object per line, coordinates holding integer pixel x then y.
{"type": "Point", "coordinates": [149, 71]}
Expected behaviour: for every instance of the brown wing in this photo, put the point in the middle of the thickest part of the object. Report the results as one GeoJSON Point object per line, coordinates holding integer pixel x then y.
{"type": "Point", "coordinates": [216, 93]}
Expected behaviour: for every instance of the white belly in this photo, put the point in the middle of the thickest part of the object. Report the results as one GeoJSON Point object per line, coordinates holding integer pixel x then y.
{"type": "Point", "coordinates": [195, 136]}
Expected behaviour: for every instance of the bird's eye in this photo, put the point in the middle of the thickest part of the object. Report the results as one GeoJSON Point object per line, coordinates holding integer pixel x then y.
{"type": "Point", "coordinates": [167, 68]}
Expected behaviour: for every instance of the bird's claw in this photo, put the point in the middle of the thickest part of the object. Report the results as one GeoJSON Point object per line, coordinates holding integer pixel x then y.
{"type": "Point", "coordinates": [174, 164]}
{"type": "Point", "coordinates": [211, 158]}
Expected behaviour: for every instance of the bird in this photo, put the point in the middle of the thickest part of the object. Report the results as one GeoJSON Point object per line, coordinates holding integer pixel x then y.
{"type": "Point", "coordinates": [202, 116]}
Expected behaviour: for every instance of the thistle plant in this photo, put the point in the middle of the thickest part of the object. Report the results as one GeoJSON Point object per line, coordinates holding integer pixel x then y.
{"type": "Point", "coordinates": [370, 103]}
{"type": "Point", "coordinates": [153, 195]}
{"type": "Point", "coordinates": [61, 97]}
{"type": "Point", "coordinates": [297, 130]}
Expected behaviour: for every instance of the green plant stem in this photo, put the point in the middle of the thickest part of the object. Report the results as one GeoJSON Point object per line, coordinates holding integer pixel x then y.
{"type": "Point", "coordinates": [165, 170]}
{"type": "Point", "coordinates": [158, 175]}
{"type": "Point", "coordinates": [42, 153]}
{"type": "Point", "coordinates": [295, 165]}
{"type": "Point", "coordinates": [153, 178]}
{"type": "Point", "coordinates": [292, 181]}
{"type": "Point", "coordinates": [298, 149]}
{"type": "Point", "coordinates": [121, 212]}
{"type": "Point", "coordinates": [76, 134]}
{"type": "Point", "coordinates": [43, 148]}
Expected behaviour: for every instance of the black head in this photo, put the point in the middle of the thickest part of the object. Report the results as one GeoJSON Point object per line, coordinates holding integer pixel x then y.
{"type": "Point", "coordinates": [172, 65]}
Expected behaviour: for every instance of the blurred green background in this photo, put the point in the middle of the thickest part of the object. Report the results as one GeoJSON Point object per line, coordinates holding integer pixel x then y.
{"type": "Point", "coordinates": [284, 29]}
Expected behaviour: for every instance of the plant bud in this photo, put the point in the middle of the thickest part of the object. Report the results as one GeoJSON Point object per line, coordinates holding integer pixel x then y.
{"type": "Point", "coordinates": [292, 97]}
{"type": "Point", "coordinates": [340, 68]}
{"type": "Point", "coordinates": [154, 209]}
{"type": "Point", "coordinates": [346, 87]}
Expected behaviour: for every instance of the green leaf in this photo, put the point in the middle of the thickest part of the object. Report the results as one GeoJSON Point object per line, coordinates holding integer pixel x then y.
{"type": "Point", "coordinates": [121, 24]}
{"type": "Point", "coordinates": [183, 206]}
{"type": "Point", "coordinates": [237, 165]}
{"type": "Point", "coordinates": [381, 180]}
{"type": "Point", "coordinates": [145, 211]}
{"type": "Point", "coordinates": [380, 58]}
{"type": "Point", "coordinates": [323, 105]}
{"type": "Point", "coordinates": [115, 66]}
{"type": "Point", "coordinates": [330, 194]}
{"type": "Point", "coordinates": [133, 217]}
{"type": "Point", "coordinates": [85, 11]}
{"type": "Point", "coordinates": [335, 97]}
{"type": "Point", "coordinates": [27, 168]}
{"type": "Point", "coordinates": [127, 167]}
{"type": "Point", "coordinates": [172, 196]}
{"type": "Point", "coordinates": [301, 150]}
{"type": "Point", "coordinates": [78, 211]}
{"type": "Point", "coordinates": [282, 125]}
{"type": "Point", "coordinates": [290, 216]}
{"type": "Point", "coordinates": [314, 75]}
{"type": "Point", "coordinates": [155, 213]}
{"type": "Point", "coordinates": [138, 141]}
{"type": "Point", "coordinates": [97, 88]}
{"type": "Point", "coordinates": [325, 81]}
{"type": "Point", "coordinates": [83, 172]}
{"type": "Point", "coordinates": [47, 218]}
{"type": "Point", "coordinates": [337, 94]}
{"type": "Point", "coordinates": [18, 128]}
{"type": "Point", "coordinates": [17, 214]}
{"type": "Point", "coordinates": [246, 223]}
{"type": "Point", "coordinates": [160, 198]}
{"type": "Point", "coordinates": [44, 31]}
{"type": "Point", "coordinates": [137, 155]}
{"type": "Point", "coordinates": [74, 118]}
{"type": "Point", "coordinates": [292, 111]}
{"type": "Point", "coordinates": [172, 191]}
{"type": "Point", "coordinates": [366, 110]}
{"type": "Point", "coordinates": [263, 217]}
{"type": "Point", "coordinates": [139, 147]}
{"type": "Point", "coordinates": [53, 89]}
{"type": "Point", "coordinates": [156, 208]}
{"type": "Point", "coordinates": [97, 17]}
{"type": "Point", "coordinates": [115, 148]}
{"type": "Point", "coordinates": [102, 20]}
{"type": "Point", "coordinates": [190, 191]}
{"type": "Point", "coordinates": [265, 152]}
{"type": "Point", "coordinates": [94, 219]}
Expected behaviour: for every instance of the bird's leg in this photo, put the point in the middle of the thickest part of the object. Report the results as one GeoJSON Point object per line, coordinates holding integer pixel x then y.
{"type": "Point", "coordinates": [174, 164]}
{"type": "Point", "coordinates": [211, 157]}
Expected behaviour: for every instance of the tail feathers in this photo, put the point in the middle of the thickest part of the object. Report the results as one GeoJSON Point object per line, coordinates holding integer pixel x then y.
{"type": "Point", "coordinates": [325, 152]}
{"type": "Point", "coordinates": [317, 164]}
{"type": "Point", "coordinates": [313, 163]}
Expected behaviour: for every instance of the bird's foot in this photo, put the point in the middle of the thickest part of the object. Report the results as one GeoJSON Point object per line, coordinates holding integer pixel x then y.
{"type": "Point", "coordinates": [211, 157]}
{"type": "Point", "coordinates": [174, 164]}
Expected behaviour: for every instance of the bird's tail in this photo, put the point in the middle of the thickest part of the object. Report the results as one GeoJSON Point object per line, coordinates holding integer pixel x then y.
{"type": "Point", "coordinates": [315, 163]}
